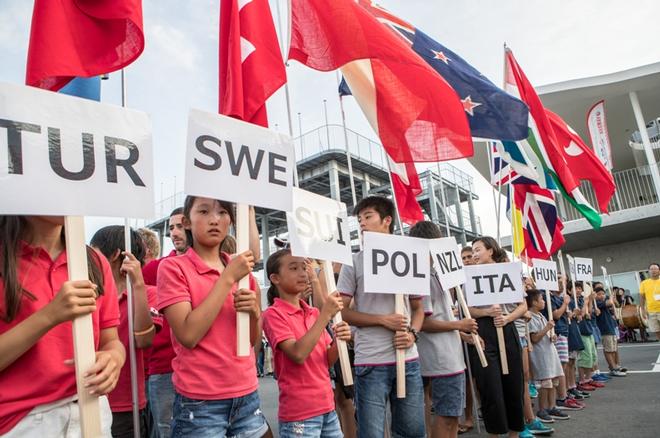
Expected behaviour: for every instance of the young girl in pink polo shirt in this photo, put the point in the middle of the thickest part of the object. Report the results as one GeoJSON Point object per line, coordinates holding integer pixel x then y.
{"type": "Point", "coordinates": [216, 390]}
{"type": "Point", "coordinates": [37, 305]}
{"type": "Point", "coordinates": [303, 350]}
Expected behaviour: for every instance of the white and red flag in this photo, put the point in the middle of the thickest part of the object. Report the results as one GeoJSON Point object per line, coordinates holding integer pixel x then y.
{"type": "Point", "coordinates": [417, 115]}
{"type": "Point", "coordinates": [251, 65]}
{"type": "Point", "coordinates": [406, 187]}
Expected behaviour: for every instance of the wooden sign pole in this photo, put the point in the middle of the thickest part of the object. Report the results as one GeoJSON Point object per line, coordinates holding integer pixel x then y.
{"type": "Point", "coordinates": [83, 331]}
{"type": "Point", "coordinates": [475, 338]}
{"type": "Point", "coordinates": [502, 347]}
{"type": "Point", "coordinates": [132, 358]}
{"type": "Point", "coordinates": [242, 245]}
{"type": "Point", "coordinates": [400, 354]}
{"type": "Point", "coordinates": [344, 361]}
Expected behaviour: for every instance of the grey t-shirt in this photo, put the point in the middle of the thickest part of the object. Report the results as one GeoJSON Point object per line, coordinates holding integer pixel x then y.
{"type": "Point", "coordinates": [373, 345]}
{"type": "Point", "coordinates": [440, 354]}
{"type": "Point", "coordinates": [543, 358]}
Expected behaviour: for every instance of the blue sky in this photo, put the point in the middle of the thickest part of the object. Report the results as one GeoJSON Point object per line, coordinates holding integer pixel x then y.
{"type": "Point", "coordinates": [553, 41]}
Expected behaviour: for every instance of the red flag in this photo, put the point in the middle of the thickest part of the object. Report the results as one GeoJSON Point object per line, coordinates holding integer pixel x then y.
{"type": "Point", "coordinates": [416, 114]}
{"type": "Point", "coordinates": [406, 187]}
{"type": "Point", "coordinates": [548, 147]}
{"type": "Point", "coordinates": [251, 65]}
{"type": "Point", "coordinates": [85, 38]}
{"type": "Point", "coordinates": [582, 161]}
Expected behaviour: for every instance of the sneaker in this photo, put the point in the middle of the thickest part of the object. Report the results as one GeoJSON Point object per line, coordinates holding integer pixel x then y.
{"type": "Point", "coordinates": [533, 392]}
{"type": "Point", "coordinates": [556, 414]}
{"type": "Point", "coordinates": [596, 384]}
{"type": "Point", "coordinates": [544, 417]}
{"type": "Point", "coordinates": [622, 369]}
{"type": "Point", "coordinates": [600, 378]}
{"type": "Point", "coordinates": [525, 433]}
{"type": "Point", "coordinates": [618, 373]}
{"type": "Point", "coordinates": [586, 387]}
{"type": "Point", "coordinates": [569, 404]}
{"type": "Point", "coordinates": [538, 428]}
{"type": "Point", "coordinates": [575, 394]}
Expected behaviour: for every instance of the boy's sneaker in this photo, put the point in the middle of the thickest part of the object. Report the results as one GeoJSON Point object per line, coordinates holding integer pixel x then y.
{"type": "Point", "coordinates": [533, 392]}
{"type": "Point", "coordinates": [596, 384]}
{"type": "Point", "coordinates": [544, 417]}
{"type": "Point", "coordinates": [574, 393]}
{"type": "Point", "coordinates": [569, 404]}
{"type": "Point", "coordinates": [556, 414]}
{"type": "Point", "coordinates": [618, 373]}
{"type": "Point", "coordinates": [538, 428]}
{"type": "Point", "coordinates": [600, 377]}
{"type": "Point", "coordinates": [582, 387]}
{"type": "Point", "coordinates": [525, 433]}
{"type": "Point", "coordinates": [622, 369]}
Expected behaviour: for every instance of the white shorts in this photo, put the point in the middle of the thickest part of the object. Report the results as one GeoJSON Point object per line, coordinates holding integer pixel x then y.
{"type": "Point", "coordinates": [60, 419]}
{"type": "Point", "coordinates": [654, 322]}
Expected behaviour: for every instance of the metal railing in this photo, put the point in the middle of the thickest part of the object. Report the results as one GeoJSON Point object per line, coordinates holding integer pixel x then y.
{"type": "Point", "coordinates": [634, 188]}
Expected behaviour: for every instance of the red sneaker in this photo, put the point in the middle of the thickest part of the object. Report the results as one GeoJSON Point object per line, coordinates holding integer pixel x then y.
{"type": "Point", "coordinates": [596, 384]}
{"type": "Point", "coordinates": [586, 387]}
{"type": "Point", "coordinates": [571, 405]}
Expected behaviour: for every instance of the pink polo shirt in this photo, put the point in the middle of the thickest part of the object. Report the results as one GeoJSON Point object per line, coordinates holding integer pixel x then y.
{"type": "Point", "coordinates": [211, 370]}
{"type": "Point", "coordinates": [305, 390]}
{"type": "Point", "coordinates": [120, 398]}
{"type": "Point", "coordinates": [40, 375]}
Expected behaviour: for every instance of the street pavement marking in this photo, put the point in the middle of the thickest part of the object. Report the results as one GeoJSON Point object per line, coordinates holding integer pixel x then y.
{"type": "Point", "coordinates": [656, 368]}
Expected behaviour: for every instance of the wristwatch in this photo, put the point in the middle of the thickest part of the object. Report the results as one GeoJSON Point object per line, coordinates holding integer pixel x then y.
{"type": "Point", "coordinates": [414, 333]}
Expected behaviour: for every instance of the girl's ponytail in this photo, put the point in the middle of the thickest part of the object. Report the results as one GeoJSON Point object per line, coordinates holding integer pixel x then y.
{"type": "Point", "coordinates": [273, 267]}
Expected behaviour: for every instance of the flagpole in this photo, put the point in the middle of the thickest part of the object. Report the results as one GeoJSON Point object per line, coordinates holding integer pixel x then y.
{"type": "Point", "coordinates": [286, 87]}
{"type": "Point", "coordinates": [129, 304]}
{"type": "Point", "coordinates": [442, 199]}
{"type": "Point", "coordinates": [398, 304]}
{"type": "Point", "coordinates": [349, 159]}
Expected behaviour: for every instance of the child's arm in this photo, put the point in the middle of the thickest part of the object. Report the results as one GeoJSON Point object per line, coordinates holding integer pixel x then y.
{"type": "Point", "coordinates": [103, 376]}
{"type": "Point", "coordinates": [191, 325]}
{"type": "Point", "coordinates": [299, 350]}
{"type": "Point", "coordinates": [343, 333]}
{"type": "Point", "coordinates": [557, 313]}
{"type": "Point", "coordinates": [537, 336]}
{"type": "Point", "coordinates": [142, 321]}
{"type": "Point", "coordinates": [75, 298]}
{"type": "Point", "coordinates": [319, 288]}
{"type": "Point", "coordinates": [466, 325]}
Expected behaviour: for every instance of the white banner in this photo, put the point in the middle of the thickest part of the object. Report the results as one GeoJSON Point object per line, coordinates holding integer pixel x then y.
{"type": "Point", "coordinates": [396, 264]}
{"type": "Point", "coordinates": [545, 274]}
{"type": "Point", "coordinates": [67, 156]}
{"type": "Point", "coordinates": [600, 139]}
{"type": "Point", "coordinates": [236, 161]}
{"type": "Point", "coordinates": [446, 258]}
{"type": "Point", "coordinates": [318, 228]}
{"type": "Point", "coordinates": [494, 283]}
{"type": "Point", "coordinates": [583, 269]}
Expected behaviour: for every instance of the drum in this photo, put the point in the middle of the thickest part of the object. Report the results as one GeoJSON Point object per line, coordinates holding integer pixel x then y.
{"type": "Point", "coordinates": [631, 316]}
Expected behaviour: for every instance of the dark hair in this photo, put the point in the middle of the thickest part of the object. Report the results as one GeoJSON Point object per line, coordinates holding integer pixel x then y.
{"type": "Point", "coordinates": [425, 230]}
{"type": "Point", "coordinates": [187, 207]}
{"type": "Point", "coordinates": [12, 230]}
{"type": "Point", "coordinates": [579, 284]}
{"type": "Point", "coordinates": [569, 284]}
{"type": "Point", "coordinates": [532, 296]}
{"type": "Point", "coordinates": [111, 238]}
{"type": "Point", "coordinates": [228, 244]}
{"type": "Point", "coordinates": [599, 289]}
{"type": "Point", "coordinates": [273, 267]}
{"type": "Point", "coordinates": [466, 248]}
{"type": "Point", "coordinates": [654, 264]}
{"type": "Point", "coordinates": [383, 206]}
{"type": "Point", "coordinates": [499, 255]}
{"type": "Point", "coordinates": [178, 210]}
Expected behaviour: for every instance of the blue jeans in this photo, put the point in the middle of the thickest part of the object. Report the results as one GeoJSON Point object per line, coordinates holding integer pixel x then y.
{"type": "Point", "coordinates": [161, 400]}
{"type": "Point", "coordinates": [374, 386]}
{"type": "Point", "coordinates": [321, 426]}
{"type": "Point", "coordinates": [238, 417]}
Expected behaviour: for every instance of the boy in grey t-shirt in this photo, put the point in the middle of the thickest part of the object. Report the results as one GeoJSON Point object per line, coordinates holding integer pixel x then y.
{"type": "Point", "coordinates": [379, 333]}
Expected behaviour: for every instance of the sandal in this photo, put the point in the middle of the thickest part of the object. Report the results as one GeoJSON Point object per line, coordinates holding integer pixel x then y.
{"type": "Point", "coordinates": [462, 428]}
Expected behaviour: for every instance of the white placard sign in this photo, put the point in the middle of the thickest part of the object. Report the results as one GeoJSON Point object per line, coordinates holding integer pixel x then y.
{"type": "Point", "coordinates": [545, 274]}
{"type": "Point", "coordinates": [237, 161]}
{"type": "Point", "coordinates": [318, 228]}
{"type": "Point", "coordinates": [583, 269]}
{"type": "Point", "coordinates": [494, 283]}
{"type": "Point", "coordinates": [396, 264]}
{"type": "Point", "coordinates": [67, 156]}
{"type": "Point", "coordinates": [447, 261]}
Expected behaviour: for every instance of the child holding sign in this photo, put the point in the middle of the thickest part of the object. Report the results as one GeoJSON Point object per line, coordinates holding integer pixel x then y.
{"type": "Point", "coordinates": [380, 331]}
{"type": "Point", "coordinates": [501, 394]}
{"type": "Point", "coordinates": [109, 241]}
{"type": "Point", "coordinates": [216, 390]}
{"type": "Point", "coordinates": [440, 349]}
{"type": "Point", "coordinates": [37, 305]}
{"type": "Point", "coordinates": [303, 350]}
{"type": "Point", "coordinates": [543, 357]}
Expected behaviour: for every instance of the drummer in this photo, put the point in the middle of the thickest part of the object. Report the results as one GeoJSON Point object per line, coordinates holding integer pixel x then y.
{"type": "Point", "coordinates": [649, 294]}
